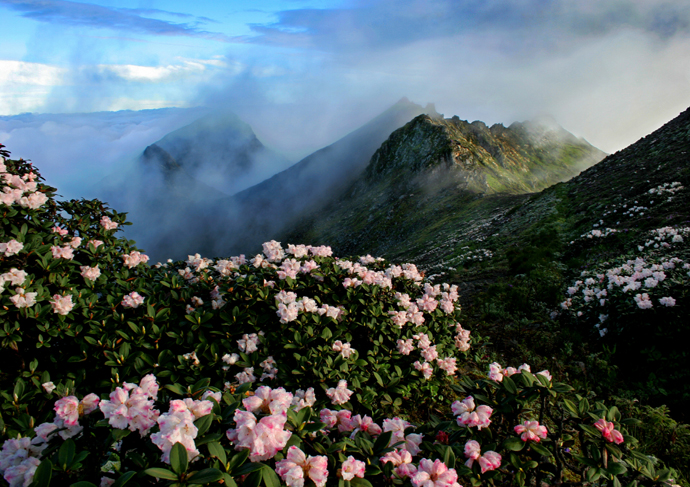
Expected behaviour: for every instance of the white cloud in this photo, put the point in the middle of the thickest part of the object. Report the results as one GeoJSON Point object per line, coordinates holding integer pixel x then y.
{"type": "Point", "coordinates": [187, 68]}
{"type": "Point", "coordinates": [20, 73]}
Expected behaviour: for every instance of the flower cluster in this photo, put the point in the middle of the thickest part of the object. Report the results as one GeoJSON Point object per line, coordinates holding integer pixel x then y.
{"type": "Point", "coordinates": [469, 416]}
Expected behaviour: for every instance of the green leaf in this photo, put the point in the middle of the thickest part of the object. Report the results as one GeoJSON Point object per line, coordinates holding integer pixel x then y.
{"type": "Point", "coordinates": [571, 407]}
{"type": "Point", "coordinates": [616, 468]}
{"type": "Point", "coordinates": [205, 476]}
{"type": "Point", "coordinates": [19, 389]}
{"type": "Point", "coordinates": [43, 474]}
{"type": "Point", "coordinates": [82, 483]}
{"type": "Point", "coordinates": [215, 449]}
{"type": "Point", "coordinates": [124, 478]}
{"type": "Point", "coordinates": [176, 388]}
{"type": "Point", "coordinates": [161, 473]}
{"type": "Point", "coordinates": [66, 454]}
{"type": "Point", "coordinates": [178, 458]}
{"type": "Point", "coordinates": [513, 444]}
{"type": "Point", "coordinates": [360, 482]}
{"type": "Point", "coordinates": [509, 385]}
{"type": "Point", "coordinates": [237, 460]}
{"type": "Point", "coordinates": [255, 478]}
{"type": "Point", "coordinates": [382, 442]}
{"type": "Point", "coordinates": [539, 449]}
{"type": "Point", "coordinates": [270, 477]}
{"type": "Point", "coordinates": [203, 424]}
{"type": "Point", "coordinates": [248, 468]}
{"type": "Point", "coordinates": [326, 333]}
{"type": "Point", "coordinates": [449, 457]}
{"type": "Point", "coordinates": [229, 481]}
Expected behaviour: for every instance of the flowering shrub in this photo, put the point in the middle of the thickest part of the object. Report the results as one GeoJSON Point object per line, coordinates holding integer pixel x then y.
{"type": "Point", "coordinates": [291, 366]}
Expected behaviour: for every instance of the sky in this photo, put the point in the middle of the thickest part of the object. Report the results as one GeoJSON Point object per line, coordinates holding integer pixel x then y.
{"type": "Point", "coordinates": [303, 73]}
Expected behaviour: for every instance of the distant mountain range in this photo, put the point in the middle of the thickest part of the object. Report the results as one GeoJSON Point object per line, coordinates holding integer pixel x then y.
{"type": "Point", "coordinates": [433, 167]}
{"type": "Point", "coordinates": [209, 185]}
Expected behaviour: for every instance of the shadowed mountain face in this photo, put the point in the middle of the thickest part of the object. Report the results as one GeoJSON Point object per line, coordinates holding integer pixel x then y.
{"type": "Point", "coordinates": [179, 195]}
{"type": "Point", "coordinates": [433, 167]}
{"type": "Point", "coordinates": [219, 150]}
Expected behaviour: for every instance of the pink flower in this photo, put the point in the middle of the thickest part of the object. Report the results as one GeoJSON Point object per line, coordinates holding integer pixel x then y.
{"type": "Point", "coordinates": [23, 299]}
{"type": "Point", "coordinates": [359, 423]}
{"type": "Point", "coordinates": [264, 438]}
{"type": "Point", "coordinates": [667, 301]}
{"type": "Point", "coordinates": [269, 401]}
{"type": "Point", "coordinates": [248, 343]}
{"type": "Point", "coordinates": [643, 301]}
{"type": "Point", "coordinates": [469, 416]}
{"type": "Point", "coordinates": [473, 450]}
{"type": "Point", "coordinates": [611, 435]}
{"type": "Point", "coordinates": [107, 223]}
{"type": "Point", "coordinates": [434, 474]}
{"type": "Point", "coordinates": [90, 273]}
{"type": "Point", "coordinates": [340, 394]}
{"type": "Point", "coordinates": [62, 305]}
{"type": "Point", "coordinates": [352, 468]}
{"type": "Point", "coordinates": [67, 409]}
{"type": "Point", "coordinates": [75, 242]}
{"type": "Point", "coordinates": [65, 252]}
{"type": "Point", "coordinates": [496, 372]}
{"type": "Point", "coordinates": [132, 300]}
{"type": "Point", "coordinates": [60, 231]}
{"type": "Point", "coordinates": [489, 461]}
{"type": "Point", "coordinates": [134, 258]}
{"type": "Point", "coordinates": [531, 431]}
{"type": "Point", "coordinates": [424, 368]}
{"type": "Point", "coordinates": [296, 466]}
{"type": "Point", "coordinates": [430, 354]}
{"type": "Point", "coordinates": [405, 346]}
{"type": "Point", "coordinates": [96, 243]}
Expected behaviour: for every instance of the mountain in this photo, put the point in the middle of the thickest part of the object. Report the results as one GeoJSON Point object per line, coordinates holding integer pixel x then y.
{"type": "Point", "coordinates": [437, 173]}
{"type": "Point", "coordinates": [272, 207]}
{"type": "Point", "coordinates": [219, 150]}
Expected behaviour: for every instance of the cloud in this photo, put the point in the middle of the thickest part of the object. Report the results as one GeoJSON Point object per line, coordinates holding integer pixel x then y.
{"type": "Point", "coordinates": [88, 15]}
{"type": "Point", "coordinates": [610, 71]}
{"type": "Point", "coordinates": [161, 74]}
{"type": "Point", "coordinates": [22, 73]}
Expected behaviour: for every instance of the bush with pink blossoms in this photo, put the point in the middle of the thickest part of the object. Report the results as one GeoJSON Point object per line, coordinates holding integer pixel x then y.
{"type": "Point", "coordinates": [270, 321]}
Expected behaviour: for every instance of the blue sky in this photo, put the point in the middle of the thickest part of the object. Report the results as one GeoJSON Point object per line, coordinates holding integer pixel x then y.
{"type": "Point", "coordinates": [303, 73]}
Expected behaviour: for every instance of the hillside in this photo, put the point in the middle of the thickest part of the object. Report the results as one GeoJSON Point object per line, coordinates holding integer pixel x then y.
{"type": "Point", "coordinates": [436, 174]}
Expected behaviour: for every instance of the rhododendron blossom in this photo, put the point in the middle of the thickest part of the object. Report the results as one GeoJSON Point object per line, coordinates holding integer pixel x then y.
{"type": "Point", "coordinates": [268, 401]}
{"type": "Point", "coordinates": [107, 223]}
{"type": "Point", "coordinates": [344, 348]}
{"type": "Point", "coordinates": [132, 300]}
{"type": "Point", "coordinates": [134, 258]}
{"type": "Point", "coordinates": [69, 409]}
{"type": "Point", "coordinates": [531, 431]}
{"type": "Point", "coordinates": [23, 299]}
{"type": "Point", "coordinates": [248, 343]}
{"type": "Point", "coordinates": [470, 416]}
{"type": "Point", "coordinates": [352, 468]}
{"type": "Point", "coordinates": [65, 252]}
{"type": "Point", "coordinates": [264, 438]}
{"type": "Point", "coordinates": [90, 273]}
{"type": "Point", "coordinates": [607, 430]}
{"type": "Point", "coordinates": [434, 474]}
{"type": "Point", "coordinates": [62, 305]}
{"type": "Point", "coordinates": [296, 466]}
{"type": "Point", "coordinates": [340, 394]}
